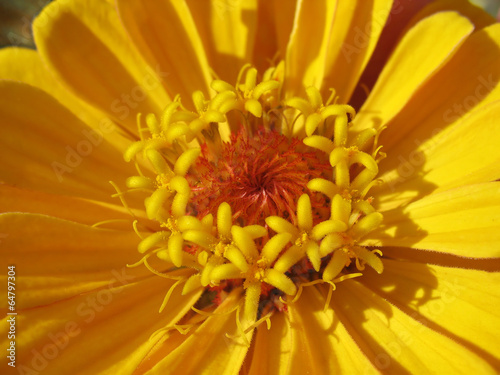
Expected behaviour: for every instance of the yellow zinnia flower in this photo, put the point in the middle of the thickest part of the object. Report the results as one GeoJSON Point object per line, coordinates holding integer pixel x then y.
{"type": "Point", "coordinates": [296, 187]}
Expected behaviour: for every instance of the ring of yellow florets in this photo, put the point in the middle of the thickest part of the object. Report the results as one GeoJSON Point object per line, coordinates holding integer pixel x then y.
{"type": "Point", "coordinates": [281, 253]}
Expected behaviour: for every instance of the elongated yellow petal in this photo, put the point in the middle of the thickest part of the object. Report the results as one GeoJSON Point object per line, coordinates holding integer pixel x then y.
{"type": "Point", "coordinates": [355, 32]}
{"type": "Point", "coordinates": [396, 340]}
{"type": "Point", "coordinates": [461, 155]}
{"type": "Point", "coordinates": [98, 65]}
{"type": "Point", "coordinates": [75, 162]}
{"type": "Point", "coordinates": [308, 46]}
{"type": "Point", "coordinates": [174, 51]}
{"type": "Point", "coordinates": [84, 211]}
{"type": "Point", "coordinates": [61, 259]}
{"type": "Point", "coordinates": [394, 86]}
{"type": "Point", "coordinates": [447, 297]}
{"type": "Point", "coordinates": [209, 350]}
{"type": "Point", "coordinates": [223, 33]}
{"type": "Point", "coordinates": [79, 329]}
{"type": "Point", "coordinates": [312, 349]}
{"type": "Point", "coordinates": [272, 348]}
{"type": "Point", "coordinates": [461, 221]}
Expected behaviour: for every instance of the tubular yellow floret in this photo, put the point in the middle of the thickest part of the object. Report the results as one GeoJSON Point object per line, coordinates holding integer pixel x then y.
{"type": "Point", "coordinates": [192, 283]}
{"type": "Point", "coordinates": [319, 142]}
{"type": "Point", "coordinates": [323, 186]}
{"type": "Point", "coordinates": [175, 245]}
{"type": "Point", "coordinates": [326, 227]}
{"type": "Point", "coordinates": [275, 246]}
{"type": "Point", "coordinates": [330, 243]}
{"type": "Point", "coordinates": [154, 204]}
{"type": "Point", "coordinates": [153, 240]}
{"type": "Point", "coordinates": [280, 281]}
{"type": "Point", "coordinates": [255, 231]}
{"type": "Point", "coordinates": [236, 257]}
{"type": "Point", "coordinates": [366, 225]}
{"type": "Point", "coordinates": [289, 258]}
{"type": "Point", "coordinates": [314, 97]}
{"type": "Point", "coordinates": [280, 225]}
{"type": "Point", "coordinates": [312, 251]}
{"type": "Point", "coordinates": [224, 220]}
{"type": "Point", "coordinates": [263, 87]}
{"type": "Point", "coordinates": [140, 182]}
{"type": "Point", "coordinates": [335, 265]}
{"type": "Point", "coordinates": [304, 212]}
{"type": "Point", "coordinates": [225, 272]}
{"type": "Point", "coordinates": [244, 242]}
{"type": "Point", "coordinates": [185, 161]}
{"type": "Point", "coordinates": [340, 209]}
{"type": "Point", "coordinates": [366, 160]}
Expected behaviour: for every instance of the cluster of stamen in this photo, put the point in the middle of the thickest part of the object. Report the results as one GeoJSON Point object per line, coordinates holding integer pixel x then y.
{"type": "Point", "coordinates": [257, 193]}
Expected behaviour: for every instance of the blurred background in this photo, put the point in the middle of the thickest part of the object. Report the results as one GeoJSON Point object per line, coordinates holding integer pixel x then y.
{"type": "Point", "coordinates": [15, 21]}
{"type": "Point", "coordinates": [16, 17]}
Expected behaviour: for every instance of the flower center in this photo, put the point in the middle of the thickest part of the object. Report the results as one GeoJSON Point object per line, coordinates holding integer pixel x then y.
{"type": "Point", "coordinates": [258, 175]}
{"type": "Point", "coordinates": [256, 193]}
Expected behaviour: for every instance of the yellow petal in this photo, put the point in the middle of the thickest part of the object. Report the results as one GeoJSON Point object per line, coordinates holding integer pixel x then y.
{"type": "Point", "coordinates": [320, 342]}
{"type": "Point", "coordinates": [208, 350]}
{"type": "Point", "coordinates": [447, 298]}
{"type": "Point", "coordinates": [98, 64]}
{"type": "Point", "coordinates": [84, 211]}
{"type": "Point", "coordinates": [71, 336]}
{"type": "Point", "coordinates": [462, 221]}
{"type": "Point", "coordinates": [356, 30]}
{"type": "Point", "coordinates": [275, 23]}
{"type": "Point", "coordinates": [308, 46]}
{"type": "Point", "coordinates": [474, 13]}
{"type": "Point", "coordinates": [460, 155]}
{"type": "Point", "coordinates": [25, 65]}
{"type": "Point", "coordinates": [58, 259]}
{"type": "Point", "coordinates": [227, 29]}
{"type": "Point", "coordinates": [451, 98]}
{"type": "Point", "coordinates": [37, 153]}
{"type": "Point", "coordinates": [420, 53]}
{"type": "Point", "coordinates": [397, 343]}
{"type": "Point", "coordinates": [272, 349]}
{"type": "Point", "coordinates": [178, 51]}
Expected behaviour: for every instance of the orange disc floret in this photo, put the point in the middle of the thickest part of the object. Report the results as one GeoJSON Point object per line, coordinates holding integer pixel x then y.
{"type": "Point", "coordinates": [259, 175]}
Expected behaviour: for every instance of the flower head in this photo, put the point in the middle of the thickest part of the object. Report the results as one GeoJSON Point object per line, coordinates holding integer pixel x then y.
{"type": "Point", "coordinates": [309, 187]}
